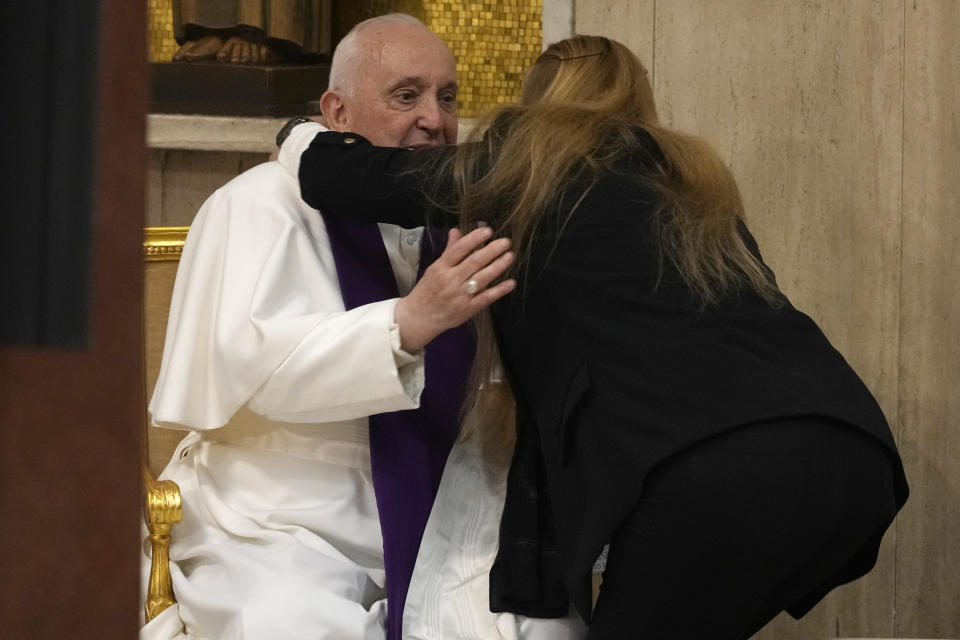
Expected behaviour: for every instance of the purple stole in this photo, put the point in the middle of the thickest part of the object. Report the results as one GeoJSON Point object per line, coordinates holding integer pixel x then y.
{"type": "Point", "coordinates": [408, 449]}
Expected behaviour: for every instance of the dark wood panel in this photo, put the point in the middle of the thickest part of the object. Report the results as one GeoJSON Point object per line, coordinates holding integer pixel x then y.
{"type": "Point", "coordinates": [211, 88]}
{"type": "Point", "coordinates": [71, 419]}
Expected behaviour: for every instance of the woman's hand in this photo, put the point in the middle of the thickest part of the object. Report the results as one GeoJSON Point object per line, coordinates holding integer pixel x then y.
{"type": "Point", "coordinates": [454, 288]}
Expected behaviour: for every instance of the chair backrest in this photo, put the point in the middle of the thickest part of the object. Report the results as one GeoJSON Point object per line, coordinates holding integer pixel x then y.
{"type": "Point", "coordinates": [162, 247]}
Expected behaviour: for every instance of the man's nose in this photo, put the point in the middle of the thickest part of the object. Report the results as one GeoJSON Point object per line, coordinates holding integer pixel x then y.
{"type": "Point", "coordinates": [430, 117]}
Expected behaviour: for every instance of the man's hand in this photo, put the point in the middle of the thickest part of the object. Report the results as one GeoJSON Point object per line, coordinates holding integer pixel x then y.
{"type": "Point", "coordinates": [443, 298]}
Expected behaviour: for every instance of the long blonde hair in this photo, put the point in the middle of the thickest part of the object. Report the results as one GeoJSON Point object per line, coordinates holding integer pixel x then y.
{"type": "Point", "coordinates": [585, 105]}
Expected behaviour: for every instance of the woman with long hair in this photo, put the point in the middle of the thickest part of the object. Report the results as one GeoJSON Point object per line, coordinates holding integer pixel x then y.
{"type": "Point", "coordinates": [670, 401]}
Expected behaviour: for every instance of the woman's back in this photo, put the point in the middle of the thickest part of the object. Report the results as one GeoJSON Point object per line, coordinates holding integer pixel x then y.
{"type": "Point", "coordinates": [619, 367]}
{"type": "Point", "coordinates": [666, 370]}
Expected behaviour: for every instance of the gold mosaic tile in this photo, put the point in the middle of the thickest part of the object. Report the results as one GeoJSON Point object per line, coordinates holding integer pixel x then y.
{"type": "Point", "coordinates": [494, 40]}
{"type": "Point", "coordinates": [160, 42]}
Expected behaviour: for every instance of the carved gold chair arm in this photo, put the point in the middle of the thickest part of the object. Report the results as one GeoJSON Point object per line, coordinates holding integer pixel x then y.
{"type": "Point", "coordinates": [161, 510]}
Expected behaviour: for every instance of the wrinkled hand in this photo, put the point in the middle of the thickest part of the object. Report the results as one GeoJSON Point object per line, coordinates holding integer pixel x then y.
{"type": "Point", "coordinates": [441, 301]}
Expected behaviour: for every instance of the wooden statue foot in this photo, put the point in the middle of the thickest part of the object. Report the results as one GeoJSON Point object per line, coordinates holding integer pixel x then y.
{"type": "Point", "coordinates": [204, 48]}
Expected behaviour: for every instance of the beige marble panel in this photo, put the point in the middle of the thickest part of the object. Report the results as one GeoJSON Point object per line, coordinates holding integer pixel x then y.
{"type": "Point", "coordinates": [557, 20]}
{"type": "Point", "coordinates": [212, 133]}
{"type": "Point", "coordinates": [250, 160]}
{"type": "Point", "coordinates": [628, 21]}
{"type": "Point", "coordinates": [803, 99]}
{"type": "Point", "coordinates": [154, 208]}
{"type": "Point", "coordinates": [928, 532]}
{"type": "Point", "coordinates": [189, 177]}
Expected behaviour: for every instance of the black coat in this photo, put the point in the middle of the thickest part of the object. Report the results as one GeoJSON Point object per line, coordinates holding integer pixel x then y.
{"type": "Point", "coordinates": [615, 365]}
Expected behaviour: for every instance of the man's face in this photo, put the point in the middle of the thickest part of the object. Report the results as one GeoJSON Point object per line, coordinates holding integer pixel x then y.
{"type": "Point", "coordinates": [405, 93]}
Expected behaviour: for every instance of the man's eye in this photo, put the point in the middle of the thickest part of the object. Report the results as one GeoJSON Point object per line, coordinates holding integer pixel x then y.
{"type": "Point", "coordinates": [406, 96]}
{"type": "Point", "coordinates": [449, 101]}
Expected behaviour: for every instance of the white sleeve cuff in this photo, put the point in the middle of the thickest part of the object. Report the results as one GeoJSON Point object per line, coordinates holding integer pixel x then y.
{"type": "Point", "coordinates": [410, 366]}
{"type": "Point", "coordinates": [401, 357]}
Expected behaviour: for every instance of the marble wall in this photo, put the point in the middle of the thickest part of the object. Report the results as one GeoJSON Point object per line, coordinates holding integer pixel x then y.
{"type": "Point", "coordinates": [838, 119]}
{"type": "Point", "coordinates": [179, 181]}
{"type": "Point", "coordinates": [928, 536]}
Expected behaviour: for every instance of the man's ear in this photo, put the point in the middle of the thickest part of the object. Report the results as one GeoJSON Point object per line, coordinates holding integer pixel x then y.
{"type": "Point", "coordinates": [334, 110]}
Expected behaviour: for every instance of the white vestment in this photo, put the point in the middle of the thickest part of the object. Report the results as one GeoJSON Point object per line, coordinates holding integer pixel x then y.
{"type": "Point", "coordinates": [280, 537]}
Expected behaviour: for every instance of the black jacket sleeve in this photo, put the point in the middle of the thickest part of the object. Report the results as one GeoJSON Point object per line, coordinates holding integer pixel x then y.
{"type": "Point", "coordinates": [343, 174]}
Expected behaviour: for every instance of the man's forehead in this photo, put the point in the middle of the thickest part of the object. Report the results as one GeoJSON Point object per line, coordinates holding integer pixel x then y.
{"type": "Point", "coordinates": [419, 80]}
{"type": "Point", "coordinates": [409, 55]}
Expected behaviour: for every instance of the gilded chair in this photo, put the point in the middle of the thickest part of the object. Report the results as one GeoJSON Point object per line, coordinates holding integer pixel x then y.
{"type": "Point", "coordinates": [162, 247]}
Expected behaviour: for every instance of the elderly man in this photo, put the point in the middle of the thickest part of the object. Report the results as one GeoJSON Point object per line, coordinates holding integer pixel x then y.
{"type": "Point", "coordinates": [297, 351]}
